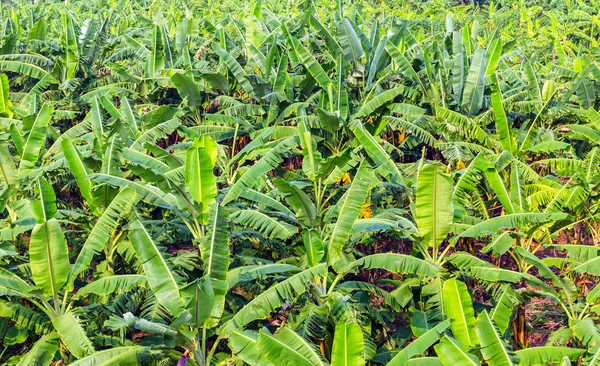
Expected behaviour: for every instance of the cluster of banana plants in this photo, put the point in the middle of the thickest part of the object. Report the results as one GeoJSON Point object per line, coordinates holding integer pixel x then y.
{"type": "Point", "coordinates": [304, 182]}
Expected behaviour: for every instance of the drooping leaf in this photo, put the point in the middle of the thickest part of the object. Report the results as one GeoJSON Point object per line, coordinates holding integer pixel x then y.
{"type": "Point", "coordinates": [235, 68]}
{"type": "Point", "coordinates": [518, 220]}
{"type": "Point", "coordinates": [73, 335]}
{"type": "Point", "coordinates": [547, 355]}
{"type": "Point", "coordinates": [494, 349]}
{"type": "Point", "coordinates": [313, 67]}
{"type": "Point", "coordinates": [243, 345]}
{"type": "Point", "coordinates": [42, 352]}
{"type": "Point", "coordinates": [501, 314]}
{"type": "Point", "coordinates": [419, 345]}
{"type": "Point", "coordinates": [349, 41]}
{"type": "Point", "coordinates": [35, 140]}
{"type": "Point", "coordinates": [269, 226]}
{"type": "Point", "coordinates": [299, 201]}
{"type": "Point", "coordinates": [160, 278]}
{"type": "Point", "coordinates": [156, 132]}
{"type": "Point", "coordinates": [273, 157]}
{"type": "Point", "coordinates": [451, 352]}
{"type": "Point", "coordinates": [102, 231]}
{"type": "Point", "coordinates": [395, 263]}
{"type": "Point", "coordinates": [125, 356]}
{"type": "Point", "coordinates": [111, 285]}
{"type": "Point", "coordinates": [147, 192]}
{"type": "Point", "coordinates": [252, 272]}
{"type": "Point", "coordinates": [287, 348]}
{"type": "Point", "coordinates": [187, 89]}
{"type": "Point", "coordinates": [80, 171]}
{"type": "Point", "coordinates": [376, 152]}
{"type": "Point", "coordinates": [261, 306]}
{"type": "Point", "coordinates": [378, 101]}
{"type": "Point", "coordinates": [349, 210]}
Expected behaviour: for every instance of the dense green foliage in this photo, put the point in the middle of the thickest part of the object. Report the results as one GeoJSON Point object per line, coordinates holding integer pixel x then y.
{"type": "Point", "coordinates": [299, 182]}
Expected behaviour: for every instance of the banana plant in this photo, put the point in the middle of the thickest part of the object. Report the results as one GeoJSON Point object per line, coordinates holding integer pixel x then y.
{"type": "Point", "coordinates": [288, 347]}
{"type": "Point", "coordinates": [45, 305]}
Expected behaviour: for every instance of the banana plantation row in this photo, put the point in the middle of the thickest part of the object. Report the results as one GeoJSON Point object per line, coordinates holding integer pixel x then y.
{"type": "Point", "coordinates": [301, 182]}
